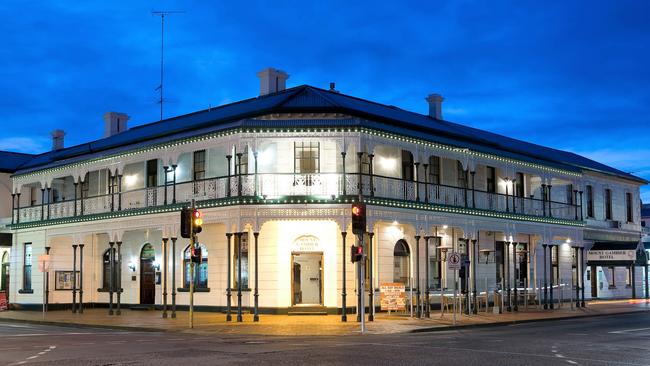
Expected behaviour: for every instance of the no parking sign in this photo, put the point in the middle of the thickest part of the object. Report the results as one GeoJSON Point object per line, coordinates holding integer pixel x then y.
{"type": "Point", "coordinates": [453, 261]}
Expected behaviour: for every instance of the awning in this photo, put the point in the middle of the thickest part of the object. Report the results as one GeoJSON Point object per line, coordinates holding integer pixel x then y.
{"type": "Point", "coordinates": [613, 253]}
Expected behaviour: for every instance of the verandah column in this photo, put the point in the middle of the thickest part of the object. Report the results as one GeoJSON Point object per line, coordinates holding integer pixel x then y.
{"type": "Point", "coordinates": [344, 315]}
{"type": "Point", "coordinates": [118, 273]}
{"type": "Point", "coordinates": [417, 274]}
{"type": "Point", "coordinates": [427, 305]}
{"type": "Point", "coordinates": [239, 303]}
{"type": "Point", "coordinates": [343, 182]}
{"type": "Point", "coordinates": [578, 274]}
{"type": "Point", "coordinates": [371, 295]}
{"type": "Point", "coordinates": [164, 282]}
{"type": "Point", "coordinates": [256, 314]}
{"type": "Point", "coordinates": [228, 282]}
{"type": "Point", "coordinates": [508, 292]}
{"type": "Point", "coordinates": [545, 277]}
{"type": "Point", "coordinates": [582, 261]}
{"type": "Point", "coordinates": [74, 278]}
{"type": "Point", "coordinates": [80, 309]}
{"type": "Point", "coordinates": [173, 277]}
{"type": "Point", "coordinates": [111, 278]}
{"type": "Point", "coordinates": [551, 279]}
{"type": "Point", "coordinates": [514, 274]}
{"type": "Point", "coordinates": [473, 274]}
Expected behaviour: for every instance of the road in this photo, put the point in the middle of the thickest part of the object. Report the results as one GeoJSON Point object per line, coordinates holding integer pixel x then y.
{"type": "Point", "coordinates": [609, 340]}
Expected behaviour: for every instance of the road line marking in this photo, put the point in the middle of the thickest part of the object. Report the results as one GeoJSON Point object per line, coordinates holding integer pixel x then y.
{"type": "Point", "coordinates": [31, 357]}
{"type": "Point", "coordinates": [628, 331]}
{"type": "Point", "coordinates": [572, 362]}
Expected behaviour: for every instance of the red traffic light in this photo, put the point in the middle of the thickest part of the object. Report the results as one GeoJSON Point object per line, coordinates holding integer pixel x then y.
{"type": "Point", "coordinates": [358, 218]}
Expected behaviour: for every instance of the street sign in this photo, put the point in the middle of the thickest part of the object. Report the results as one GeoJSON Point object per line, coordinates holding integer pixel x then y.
{"type": "Point", "coordinates": [453, 261]}
{"type": "Point", "coordinates": [43, 262]}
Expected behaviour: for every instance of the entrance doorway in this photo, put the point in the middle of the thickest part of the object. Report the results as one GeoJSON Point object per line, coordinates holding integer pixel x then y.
{"type": "Point", "coordinates": [147, 275]}
{"type": "Point", "coordinates": [307, 278]}
{"type": "Point", "coordinates": [4, 272]}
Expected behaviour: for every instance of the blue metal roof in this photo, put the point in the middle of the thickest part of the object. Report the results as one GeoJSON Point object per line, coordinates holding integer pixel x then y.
{"type": "Point", "coordinates": [306, 98]}
{"type": "Point", "coordinates": [11, 161]}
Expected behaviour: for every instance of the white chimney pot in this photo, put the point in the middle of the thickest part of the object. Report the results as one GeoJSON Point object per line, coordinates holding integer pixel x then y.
{"type": "Point", "coordinates": [114, 123]}
{"type": "Point", "coordinates": [435, 105]}
{"type": "Point", "coordinates": [272, 80]}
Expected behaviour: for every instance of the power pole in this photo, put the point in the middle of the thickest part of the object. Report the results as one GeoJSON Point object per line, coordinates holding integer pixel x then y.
{"type": "Point", "coordinates": [162, 14]}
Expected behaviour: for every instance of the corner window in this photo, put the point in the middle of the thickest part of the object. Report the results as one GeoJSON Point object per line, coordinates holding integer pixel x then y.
{"type": "Point", "coordinates": [27, 267]}
{"type": "Point", "coordinates": [200, 270]}
{"type": "Point", "coordinates": [306, 157]}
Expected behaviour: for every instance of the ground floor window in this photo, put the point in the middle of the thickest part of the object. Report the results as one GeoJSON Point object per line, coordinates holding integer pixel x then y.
{"type": "Point", "coordinates": [244, 261]}
{"type": "Point", "coordinates": [200, 269]}
{"type": "Point", "coordinates": [612, 284]}
{"type": "Point", "coordinates": [628, 278]}
{"type": "Point", "coordinates": [27, 267]}
{"type": "Point", "coordinates": [401, 262]}
{"type": "Point", "coordinates": [4, 271]}
{"type": "Point", "coordinates": [434, 263]}
{"type": "Point", "coordinates": [106, 269]}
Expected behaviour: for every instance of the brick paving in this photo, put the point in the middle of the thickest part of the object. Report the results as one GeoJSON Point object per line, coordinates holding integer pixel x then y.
{"type": "Point", "coordinates": [284, 325]}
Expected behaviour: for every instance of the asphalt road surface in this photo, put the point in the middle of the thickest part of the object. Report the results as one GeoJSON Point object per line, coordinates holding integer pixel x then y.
{"type": "Point", "coordinates": [609, 340]}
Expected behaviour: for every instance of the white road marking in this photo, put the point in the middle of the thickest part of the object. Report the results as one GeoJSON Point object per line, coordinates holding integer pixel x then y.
{"type": "Point", "coordinates": [15, 326]}
{"type": "Point", "coordinates": [572, 362]}
{"type": "Point", "coordinates": [628, 331]}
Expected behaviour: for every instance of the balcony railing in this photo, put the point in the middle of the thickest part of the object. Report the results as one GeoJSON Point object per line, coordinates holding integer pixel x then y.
{"type": "Point", "coordinates": [278, 185]}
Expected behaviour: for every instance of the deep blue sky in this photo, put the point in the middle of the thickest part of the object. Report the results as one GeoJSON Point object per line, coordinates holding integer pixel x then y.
{"type": "Point", "coordinates": [570, 75]}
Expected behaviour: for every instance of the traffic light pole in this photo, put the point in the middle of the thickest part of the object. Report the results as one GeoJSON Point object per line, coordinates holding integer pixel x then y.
{"type": "Point", "coordinates": [192, 241]}
{"type": "Point", "coordinates": [362, 287]}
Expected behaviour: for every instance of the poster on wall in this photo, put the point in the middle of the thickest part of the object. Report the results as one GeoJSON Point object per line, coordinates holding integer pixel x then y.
{"type": "Point", "coordinates": [3, 301]}
{"type": "Point", "coordinates": [392, 296]}
{"type": "Point", "coordinates": [63, 280]}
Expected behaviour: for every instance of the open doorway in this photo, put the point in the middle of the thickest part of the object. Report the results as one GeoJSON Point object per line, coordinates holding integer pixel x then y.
{"type": "Point", "coordinates": [307, 278]}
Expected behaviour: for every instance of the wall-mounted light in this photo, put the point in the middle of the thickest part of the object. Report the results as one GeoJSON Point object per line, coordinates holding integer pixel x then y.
{"type": "Point", "coordinates": [445, 227]}
{"type": "Point", "coordinates": [130, 180]}
{"type": "Point", "coordinates": [156, 265]}
{"type": "Point", "coordinates": [132, 265]}
{"type": "Point", "coordinates": [387, 163]}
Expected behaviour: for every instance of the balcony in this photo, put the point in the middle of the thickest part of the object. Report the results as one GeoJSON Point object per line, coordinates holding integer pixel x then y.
{"type": "Point", "coordinates": [272, 188]}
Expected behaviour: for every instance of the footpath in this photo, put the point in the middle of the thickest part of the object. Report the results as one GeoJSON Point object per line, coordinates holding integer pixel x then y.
{"type": "Point", "coordinates": [314, 325]}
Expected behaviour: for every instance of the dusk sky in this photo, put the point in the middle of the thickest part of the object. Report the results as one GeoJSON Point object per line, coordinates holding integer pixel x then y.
{"type": "Point", "coordinates": [569, 75]}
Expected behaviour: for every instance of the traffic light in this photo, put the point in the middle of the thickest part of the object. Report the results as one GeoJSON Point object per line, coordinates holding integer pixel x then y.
{"type": "Point", "coordinates": [197, 221]}
{"type": "Point", "coordinates": [358, 218]}
{"type": "Point", "coordinates": [186, 223]}
{"type": "Point", "coordinates": [356, 253]}
{"type": "Point", "coordinates": [195, 254]}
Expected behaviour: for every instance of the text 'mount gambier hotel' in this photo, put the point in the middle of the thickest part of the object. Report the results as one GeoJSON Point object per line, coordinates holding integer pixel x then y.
{"type": "Point", "coordinates": [275, 176]}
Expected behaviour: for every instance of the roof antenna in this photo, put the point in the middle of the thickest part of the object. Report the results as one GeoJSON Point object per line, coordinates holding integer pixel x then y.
{"type": "Point", "coordinates": [162, 14]}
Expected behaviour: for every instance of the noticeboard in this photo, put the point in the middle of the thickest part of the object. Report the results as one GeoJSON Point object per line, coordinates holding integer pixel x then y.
{"type": "Point", "coordinates": [3, 301]}
{"type": "Point", "coordinates": [392, 296]}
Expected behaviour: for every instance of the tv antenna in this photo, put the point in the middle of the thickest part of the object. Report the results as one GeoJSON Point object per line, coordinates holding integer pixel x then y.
{"type": "Point", "coordinates": [162, 14]}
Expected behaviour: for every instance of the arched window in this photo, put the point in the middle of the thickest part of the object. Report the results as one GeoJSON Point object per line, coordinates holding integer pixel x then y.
{"type": "Point", "coordinates": [200, 271]}
{"type": "Point", "coordinates": [4, 271]}
{"type": "Point", "coordinates": [401, 262]}
{"type": "Point", "coordinates": [106, 269]}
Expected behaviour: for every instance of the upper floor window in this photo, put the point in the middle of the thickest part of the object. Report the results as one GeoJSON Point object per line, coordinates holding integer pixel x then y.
{"type": "Point", "coordinates": [27, 267]}
{"type": "Point", "coordinates": [407, 165]}
{"type": "Point", "coordinates": [590, 201]}
{"type": "Point", "coordinates": [242, 163]}
{"type": "Point", "coordinates": [491, 177]}
{"type": "Point", "coordinates": [608, 204]}
{"type": "Point", "coordinates": [306, 157]}
{"type": "Point", "coordinates": [569, 194]}
{"type": "Point", "coordinates": [462, 175]}
{"type": "Point", "coordinates": [434, 169]}
{"type": "Point", "coordinates": [152, 173]}
{"type": "Point", "coordinates": [199, 165]}
{"type": "Point", "coordinates": [628, 206]}
{"type": "Point", "coordinates": [519, 185]}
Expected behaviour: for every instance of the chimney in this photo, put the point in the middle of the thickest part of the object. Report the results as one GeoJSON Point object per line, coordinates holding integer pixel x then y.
{"type": "Point", "coordinates": [272, 80]}
{"type": "Point", "coordinates": [114, 123]}
{"type": "Point", "coordinates": [435, 105]}
{"type": "Point", "coordinates": [57, 139]}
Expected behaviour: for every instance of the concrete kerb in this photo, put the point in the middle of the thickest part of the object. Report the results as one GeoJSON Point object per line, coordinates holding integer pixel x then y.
{"type": "Point", "coordinates": [513, 322]}
{"type": "Point", "coordinates": [84, 325]}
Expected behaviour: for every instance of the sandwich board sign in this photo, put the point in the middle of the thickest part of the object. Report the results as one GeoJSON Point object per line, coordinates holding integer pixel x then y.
{"type": "Point", "coordinates": [453, 261]}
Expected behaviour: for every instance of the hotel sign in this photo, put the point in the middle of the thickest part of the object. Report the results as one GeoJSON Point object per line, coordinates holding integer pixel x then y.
{"type": "Point", "coordinates": [307, 243]}
{"type": "Point", "coordinates": [611, 255]}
